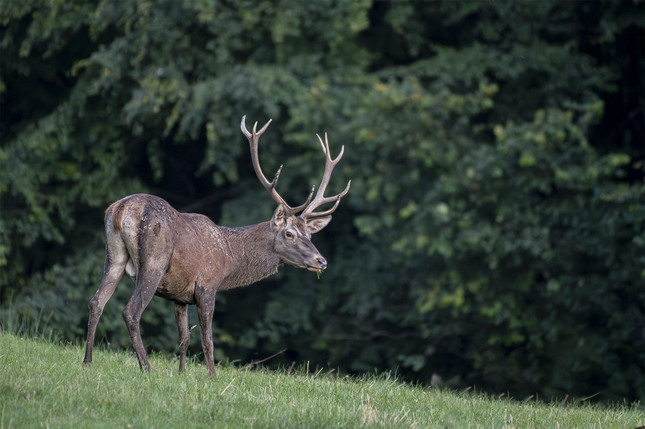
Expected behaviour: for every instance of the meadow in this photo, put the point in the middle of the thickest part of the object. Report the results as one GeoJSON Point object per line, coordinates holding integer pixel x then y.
{"type": "Point", "coordinates": [44, 384]}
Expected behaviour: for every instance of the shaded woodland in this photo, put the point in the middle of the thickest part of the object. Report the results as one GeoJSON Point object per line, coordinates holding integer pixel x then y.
{"type": "Point", "coordinates": [494, 231]}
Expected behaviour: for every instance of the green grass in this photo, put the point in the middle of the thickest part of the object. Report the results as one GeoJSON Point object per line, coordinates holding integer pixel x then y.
{"type": "Point", "coordinates": [44, 384]}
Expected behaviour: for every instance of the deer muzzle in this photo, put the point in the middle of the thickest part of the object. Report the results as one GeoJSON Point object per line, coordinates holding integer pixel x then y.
{"type": "Point", "coordinates": [319, 264]}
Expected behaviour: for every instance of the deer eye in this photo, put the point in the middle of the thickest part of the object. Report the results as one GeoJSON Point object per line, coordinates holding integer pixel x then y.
{"type": "Point", "coordinates": [289, 234]}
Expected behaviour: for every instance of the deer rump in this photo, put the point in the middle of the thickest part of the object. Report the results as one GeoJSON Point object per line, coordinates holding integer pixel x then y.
{"type": "Point", "coordinates": [142, 230]}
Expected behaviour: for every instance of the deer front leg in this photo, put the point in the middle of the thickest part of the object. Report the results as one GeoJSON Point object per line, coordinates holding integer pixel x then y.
{"type": "Point", "coordinates": [205, 307]}
{"type": "Point", "coordinates": [181, 314]}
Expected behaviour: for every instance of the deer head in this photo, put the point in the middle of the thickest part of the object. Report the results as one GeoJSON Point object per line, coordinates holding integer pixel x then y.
{"type": "Point", "coordinates": [293, 233]}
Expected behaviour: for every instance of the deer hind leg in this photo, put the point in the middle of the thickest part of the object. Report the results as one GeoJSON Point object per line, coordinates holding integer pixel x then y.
{"type": "Point", "coordinates": [144, 291]}
{"type": "Point", "coordinates": [181, 314]}
{"type": "Point", "coordinates": [116, 258]}
{"type": "Point", "coordinates": [205, 308]}
{"type": "Point", "coordinates": [154, 252]}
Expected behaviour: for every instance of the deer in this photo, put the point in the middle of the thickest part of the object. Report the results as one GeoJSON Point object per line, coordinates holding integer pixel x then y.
{"type": "Point", "coordinates": [186, 258]}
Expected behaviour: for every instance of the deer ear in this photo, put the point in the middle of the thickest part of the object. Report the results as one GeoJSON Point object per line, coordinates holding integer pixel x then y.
{"type": "Point", "coordinates": [316, 224]}
{"type": "Point", "coordinates": [279, 218]}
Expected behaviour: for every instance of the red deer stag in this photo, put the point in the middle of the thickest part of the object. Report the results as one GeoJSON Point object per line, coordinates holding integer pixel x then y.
{"type": "Point", "coordinates": [186, 258]}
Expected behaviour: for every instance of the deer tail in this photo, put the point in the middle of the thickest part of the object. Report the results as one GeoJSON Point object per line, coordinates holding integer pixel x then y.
{"type": "Point", "coordinates": [118, 211]}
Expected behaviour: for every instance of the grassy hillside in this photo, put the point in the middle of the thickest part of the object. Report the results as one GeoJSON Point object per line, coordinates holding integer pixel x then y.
{"type": "Point", "coordinates": [44, 384]}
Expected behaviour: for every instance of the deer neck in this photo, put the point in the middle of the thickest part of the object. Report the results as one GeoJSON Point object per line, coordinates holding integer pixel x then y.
{"type": "Point", "coordinates": [252, 255]}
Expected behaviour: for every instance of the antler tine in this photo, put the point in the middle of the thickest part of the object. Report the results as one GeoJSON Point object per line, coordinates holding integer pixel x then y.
{"type": "Point", "coordinates": [320, 199]}
{"type": "Point", "coordinates": [336, 198]}
{"type": "Point", "coordinates": [269, 186]}
{"type": "Point", "coordinates": [253, 139]}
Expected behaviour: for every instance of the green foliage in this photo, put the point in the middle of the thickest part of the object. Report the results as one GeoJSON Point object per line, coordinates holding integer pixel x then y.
{"type": "Point", "coordinates": [494, 230]}
{"type": "Point", "coordinates": [46, 384]}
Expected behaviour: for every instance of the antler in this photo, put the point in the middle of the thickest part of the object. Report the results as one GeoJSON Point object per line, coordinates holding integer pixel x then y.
{"type": "Point", "coordinates": [320, 199]}
{"type": "Point", "coordinates": [269, 186]}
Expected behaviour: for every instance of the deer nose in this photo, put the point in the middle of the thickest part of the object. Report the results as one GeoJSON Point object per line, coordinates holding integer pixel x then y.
{"type": "Point", "coordinates": [322, 262]}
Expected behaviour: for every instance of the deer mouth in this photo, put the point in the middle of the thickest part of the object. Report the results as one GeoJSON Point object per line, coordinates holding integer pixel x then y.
{"type": "Point", "coordinates": [310, 267]}
{"type": "Point", "coordinates": [317, 265]}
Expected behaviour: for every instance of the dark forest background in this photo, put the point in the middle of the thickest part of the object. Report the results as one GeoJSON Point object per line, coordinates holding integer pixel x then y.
{"type": "Point", "coordinates": [494, 231]}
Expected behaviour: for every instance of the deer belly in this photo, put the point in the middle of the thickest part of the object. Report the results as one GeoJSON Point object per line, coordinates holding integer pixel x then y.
{"type": "Point", "coordinates": [176, 291]}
